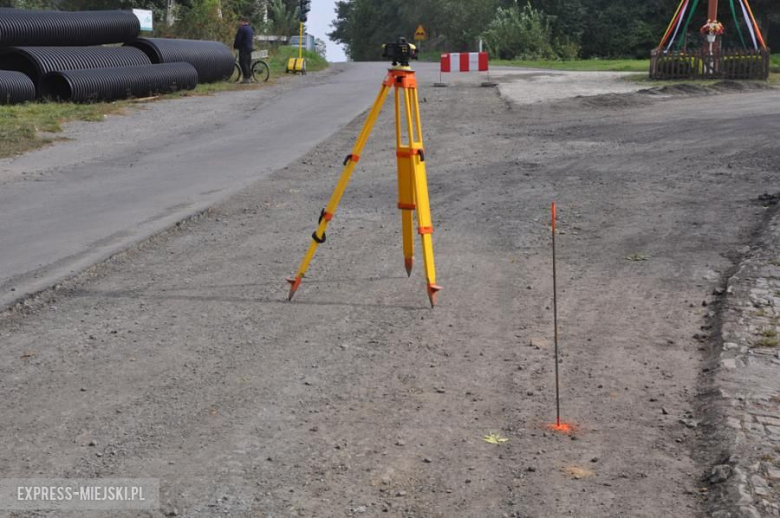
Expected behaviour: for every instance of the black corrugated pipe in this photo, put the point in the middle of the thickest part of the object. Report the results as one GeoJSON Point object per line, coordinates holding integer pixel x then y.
{"type": "Point", "coordinates": [22, 28]}
{"type": "Point", "coordinates": [110, 84]}
{"type": "Point", "coordinates": [36, 62]}
{"type": "Point", "coordinates": [212, 59]}
{"type": "Point", "coordinates": [15, 87]}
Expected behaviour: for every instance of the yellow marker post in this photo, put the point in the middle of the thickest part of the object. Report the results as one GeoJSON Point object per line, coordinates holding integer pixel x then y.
{"type": "Point", "coordinates": [412, 180]}
{"type": "Point", "coordinates": [297, 65]}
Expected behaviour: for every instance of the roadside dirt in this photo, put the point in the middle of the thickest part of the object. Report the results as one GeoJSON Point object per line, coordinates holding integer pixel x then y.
{"type": "Point", "coordinates": [183, 361]}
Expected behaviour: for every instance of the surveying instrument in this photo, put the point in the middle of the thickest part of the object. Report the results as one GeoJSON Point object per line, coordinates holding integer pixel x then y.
{"type": "Point", "coordinates": [412, 182]}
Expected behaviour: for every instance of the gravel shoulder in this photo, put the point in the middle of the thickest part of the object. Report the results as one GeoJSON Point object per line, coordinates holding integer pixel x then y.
{"type": "Point", "coordinates": [183, 361]}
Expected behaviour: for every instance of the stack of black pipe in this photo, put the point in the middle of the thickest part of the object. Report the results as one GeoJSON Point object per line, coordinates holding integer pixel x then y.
{"type": "Point", "coordinates": [110, 84]}
{"type": "Point", "coordinates": [15, 87]}
{"type": "Point", "coordinates": [36, 62]}
{"type": "Point", "coordinates": [59, 54]}
{"type": "Point", "coordinates": [20, 28]}
{"type": "Point", "coordinates": [213, 60]}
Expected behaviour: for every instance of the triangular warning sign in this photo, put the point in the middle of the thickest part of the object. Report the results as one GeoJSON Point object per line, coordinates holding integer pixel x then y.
{"type": "Point", "coordinates": [420, 33]}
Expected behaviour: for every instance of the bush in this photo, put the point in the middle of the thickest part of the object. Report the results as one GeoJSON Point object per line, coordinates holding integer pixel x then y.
{"type": "Point", "coordinates": [525, 33]}
{"type": "Point", "coordinates": [567, 50]}
{"type": "Point", "coordinates": [204, 20]}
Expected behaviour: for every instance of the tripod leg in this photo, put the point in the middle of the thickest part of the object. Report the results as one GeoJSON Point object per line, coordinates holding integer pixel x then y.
{"type": "Point", "coordinates": [318, 237]}
{"type": "Point", "coordinates": [424, 221]}
{"type": "Point", "coordinates": [405, 189]}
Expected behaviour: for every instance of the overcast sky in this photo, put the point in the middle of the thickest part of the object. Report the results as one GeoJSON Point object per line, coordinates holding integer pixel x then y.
{"type": "Point", "coordinates": [322, 14]}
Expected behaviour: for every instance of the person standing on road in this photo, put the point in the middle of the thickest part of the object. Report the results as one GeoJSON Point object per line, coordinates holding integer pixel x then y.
{"type": "Point", "coordinates": [244, 38]}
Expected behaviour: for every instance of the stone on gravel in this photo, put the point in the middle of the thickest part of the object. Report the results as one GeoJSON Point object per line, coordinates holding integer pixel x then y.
{"type": "Point", "coordinates": [720, 473]}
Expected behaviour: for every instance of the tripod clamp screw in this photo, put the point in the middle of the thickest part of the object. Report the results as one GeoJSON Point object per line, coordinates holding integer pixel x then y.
{"type": "Point", "coordinates": [327, 216]}
{"type": "Point", "coordinates": [352, 157]}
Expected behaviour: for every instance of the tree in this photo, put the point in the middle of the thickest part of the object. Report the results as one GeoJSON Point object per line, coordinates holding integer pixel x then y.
{"type": "Point", "coordinates": [282, 20]}
{"type": "Point", "coordinates": [454, 25]}
{"type": "Point", "coordinates": [204, 19]}
{"type": "Point", "coordinates": [321, 48]}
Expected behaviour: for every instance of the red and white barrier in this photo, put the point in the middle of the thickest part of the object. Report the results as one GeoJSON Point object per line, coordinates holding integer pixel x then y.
{"type": "Point", "coordinates": [464, 62]}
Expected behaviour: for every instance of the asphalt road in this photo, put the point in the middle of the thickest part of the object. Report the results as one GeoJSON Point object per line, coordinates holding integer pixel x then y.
{"type": "Point", "coordinates": [73, 204]}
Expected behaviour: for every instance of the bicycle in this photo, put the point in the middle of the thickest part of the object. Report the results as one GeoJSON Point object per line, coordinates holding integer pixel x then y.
{"type": "Point", "coordinates": [259, 68]}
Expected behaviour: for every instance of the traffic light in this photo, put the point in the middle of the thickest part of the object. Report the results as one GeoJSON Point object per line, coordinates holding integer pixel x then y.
{"type": "Point", "coordinates": [304, 9]}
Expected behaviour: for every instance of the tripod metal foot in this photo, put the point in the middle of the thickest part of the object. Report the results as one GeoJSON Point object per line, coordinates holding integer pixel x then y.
{"type": "Point", "coordinates": [433, 290]}
{"type": "Point", "coordinates": [294, 283]}
{"type": "Point", "coordinates": [408, 262]}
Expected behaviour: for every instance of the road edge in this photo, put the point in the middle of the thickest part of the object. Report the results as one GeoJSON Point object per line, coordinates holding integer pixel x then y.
{"type": "Point", "coordinates": [742, 411]}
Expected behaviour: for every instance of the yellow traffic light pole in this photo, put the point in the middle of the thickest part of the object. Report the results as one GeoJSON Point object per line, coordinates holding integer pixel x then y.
{"type": "Point", "coordinates": [412, 181]}
{"type": "Point", "coordinates": [300, 42]}
{"type": "Point", "coordinates": [297, 65]}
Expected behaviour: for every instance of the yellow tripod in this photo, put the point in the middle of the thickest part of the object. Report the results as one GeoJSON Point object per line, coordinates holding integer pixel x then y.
{"type": "Point", "coordinates": [412, 182]}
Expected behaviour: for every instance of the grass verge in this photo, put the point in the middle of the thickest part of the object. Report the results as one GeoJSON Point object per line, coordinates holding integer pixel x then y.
{"type": "Point", "coordinates": [278, 60]}
{"type": "Point", "coordinates": [21, 125]}
{"type": "Point", "coordinates": [580, 65]}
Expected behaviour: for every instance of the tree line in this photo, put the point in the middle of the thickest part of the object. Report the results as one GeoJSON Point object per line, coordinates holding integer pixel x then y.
{"type": "Point", "coordinates": [527, 29]}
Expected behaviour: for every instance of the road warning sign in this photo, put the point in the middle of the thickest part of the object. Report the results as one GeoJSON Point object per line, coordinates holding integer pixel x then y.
{"type": "Point", "coordinates": [420, 33]}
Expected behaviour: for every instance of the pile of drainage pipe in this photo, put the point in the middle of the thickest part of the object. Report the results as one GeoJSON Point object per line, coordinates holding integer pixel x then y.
{"type": "Point", "coordinates": [65, 56]}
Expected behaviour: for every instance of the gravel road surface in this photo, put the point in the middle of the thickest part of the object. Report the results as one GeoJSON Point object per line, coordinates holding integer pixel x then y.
{"type": "Point", "coordinates": [107, 187]}
{"type": "Point", "coordinates": [183, 361]}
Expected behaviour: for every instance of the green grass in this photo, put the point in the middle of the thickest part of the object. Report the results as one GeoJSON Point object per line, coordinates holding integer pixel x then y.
{"type": "Point", "coordinates": [767, 342]}
{"type": "Point", "coordinates": [580, 65]}
{"type": "Point", "coordinates": [431, 56]}
{"type": "Point", "coordinates": [21, 125]}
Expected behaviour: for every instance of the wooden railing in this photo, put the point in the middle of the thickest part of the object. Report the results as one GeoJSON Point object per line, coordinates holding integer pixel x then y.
{"type": "Point", "coordinates": [701, 64]}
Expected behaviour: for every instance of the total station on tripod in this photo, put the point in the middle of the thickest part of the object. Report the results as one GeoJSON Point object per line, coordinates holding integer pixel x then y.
{"type": "Point", "coordinates": [399, 52]}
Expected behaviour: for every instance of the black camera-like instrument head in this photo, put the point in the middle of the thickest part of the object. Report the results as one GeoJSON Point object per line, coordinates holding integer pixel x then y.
{"type": "Point", "coordinates": [399, 52]}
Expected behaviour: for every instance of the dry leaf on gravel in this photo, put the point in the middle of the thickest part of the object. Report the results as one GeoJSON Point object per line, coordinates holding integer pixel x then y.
{"type": "Point", "coordinates": [495, 438]}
